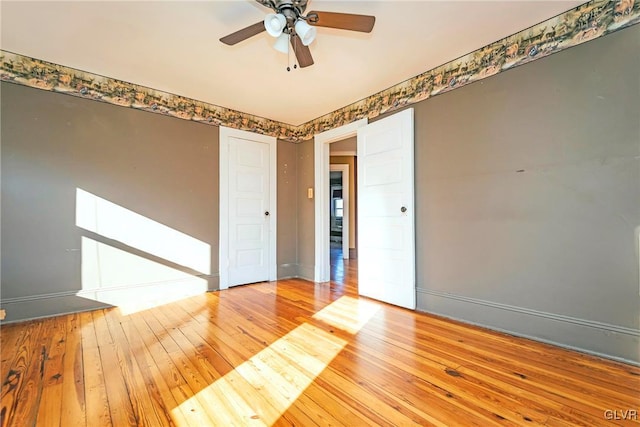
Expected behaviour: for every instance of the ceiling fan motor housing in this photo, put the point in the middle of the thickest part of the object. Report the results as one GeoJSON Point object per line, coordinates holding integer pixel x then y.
{"type": "Point", "coordinates": [298, 6]}
{"type": "Point", "coordinates": [292, 10]}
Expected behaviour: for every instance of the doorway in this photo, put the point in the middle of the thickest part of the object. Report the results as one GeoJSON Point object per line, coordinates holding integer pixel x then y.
{"type": "Point", "coordinates": [340, 218]}
{"type": "Point", "coordinates": [386, 215]}
{"type": "Point", "coordinates": [321, 174]}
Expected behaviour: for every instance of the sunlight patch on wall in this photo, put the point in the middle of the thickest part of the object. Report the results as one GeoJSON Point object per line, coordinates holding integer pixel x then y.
{"type": "Point", "coordinates": [347, 313]}
{"type": "Point", "coordinates": [115, 222]}
{"type": "Point", "coordinates": [131, 282]}
{"type": "Point", "coordinates": [260, 390]}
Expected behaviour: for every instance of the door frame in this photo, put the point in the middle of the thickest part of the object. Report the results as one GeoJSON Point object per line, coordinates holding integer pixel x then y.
{"type": "Point", "coordinates": [321, 185]}
{"type": "Point", "coordinates": [225, 134]}
{"type": "Point", "coordinates": [344, 168]}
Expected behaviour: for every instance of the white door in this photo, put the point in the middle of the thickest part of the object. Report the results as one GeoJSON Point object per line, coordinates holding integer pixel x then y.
{"type": "Point", "coordinates": [248, 208]}
{"type": "Point", "coordinates": [248, 211]}
{"type": "Point", "coordinates": [386, 240]}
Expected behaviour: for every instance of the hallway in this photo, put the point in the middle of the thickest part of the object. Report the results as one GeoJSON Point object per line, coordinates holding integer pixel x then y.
{"type": "Point", "coordinates": [343, 271]}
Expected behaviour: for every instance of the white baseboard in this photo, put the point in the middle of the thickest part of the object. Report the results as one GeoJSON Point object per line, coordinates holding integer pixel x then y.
{"type": "Point", "coordinates": [601, 339]}
{"type": "Point", "coordinates": [65, 302]}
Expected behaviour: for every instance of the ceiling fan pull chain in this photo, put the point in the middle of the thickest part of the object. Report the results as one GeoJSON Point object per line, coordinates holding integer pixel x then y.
{"type": "Point", "coordinates": [295, 65]}
{"type": "Point", "coordinates": [289, 55]}
{"type": "Point", "coordinates": [295, 58]}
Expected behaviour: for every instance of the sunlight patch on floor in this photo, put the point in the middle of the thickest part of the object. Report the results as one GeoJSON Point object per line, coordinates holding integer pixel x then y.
{"type": "Point", "coordinates": [347, 313]}
{"type": "Point", "coordinates": [260, 390]}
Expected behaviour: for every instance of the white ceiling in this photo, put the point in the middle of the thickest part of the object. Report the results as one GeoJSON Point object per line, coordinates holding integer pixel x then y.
{"type": "Point", "coordinates": [173, 46]}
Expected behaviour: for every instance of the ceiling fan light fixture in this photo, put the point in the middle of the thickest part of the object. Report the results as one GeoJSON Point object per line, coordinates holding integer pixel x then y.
{"type": "Point", "coordinates": [306, 32]}
{"type": "Point", "coordinates": [274, 23]}
{"type": "Point", "coordinates": [282, 43]}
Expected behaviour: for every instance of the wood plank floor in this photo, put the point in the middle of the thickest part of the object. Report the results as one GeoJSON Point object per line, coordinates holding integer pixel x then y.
{"type": "Point", "coordinates": [295, 353]}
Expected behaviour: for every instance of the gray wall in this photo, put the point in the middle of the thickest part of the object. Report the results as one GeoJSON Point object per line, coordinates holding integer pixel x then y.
{"type": "Point", "coordinates": [549, 252]}
{"type": "Point", "coordinates": [306, 207]}
{"type": "Point", "coordinates": [162, 168]}
{"type": "Point", "coordinates": [287, 239]}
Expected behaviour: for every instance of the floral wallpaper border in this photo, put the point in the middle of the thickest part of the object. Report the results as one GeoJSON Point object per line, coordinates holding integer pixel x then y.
{"type": "Point", "coordinates": [45, 75]}
{"type": "Point", "coordinates": [581, 24]}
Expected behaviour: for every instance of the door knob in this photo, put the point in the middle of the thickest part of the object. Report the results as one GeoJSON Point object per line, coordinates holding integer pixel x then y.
{"type": "Point", "coordinates": [403, 209]}
{"type": "Point", "coordinates": [266, 213]}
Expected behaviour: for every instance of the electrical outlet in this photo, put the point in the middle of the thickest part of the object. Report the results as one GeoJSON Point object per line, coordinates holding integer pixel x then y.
{"type": "Point", "coordinates": [3, 314]}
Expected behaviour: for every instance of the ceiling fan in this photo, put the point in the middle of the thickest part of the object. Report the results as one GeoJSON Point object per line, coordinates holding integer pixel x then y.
{"type": "Point", "coordinates": [289, 24]}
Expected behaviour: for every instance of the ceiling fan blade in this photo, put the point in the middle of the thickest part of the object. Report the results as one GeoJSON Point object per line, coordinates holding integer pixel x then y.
{"type": "Point", "coordinates": [342, 21]}
{"type": "Point", "coordinates": [302, 52]}
{"type": "Point", "coordinates": [243, 34]}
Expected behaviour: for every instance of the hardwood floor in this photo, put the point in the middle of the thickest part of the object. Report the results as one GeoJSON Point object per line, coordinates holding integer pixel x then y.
{"type": "Point", "coordinates": [295, 353]}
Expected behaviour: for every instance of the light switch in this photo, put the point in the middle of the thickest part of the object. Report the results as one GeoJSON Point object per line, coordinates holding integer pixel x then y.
{"type": "Point", "coordinates": [310, 193]}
